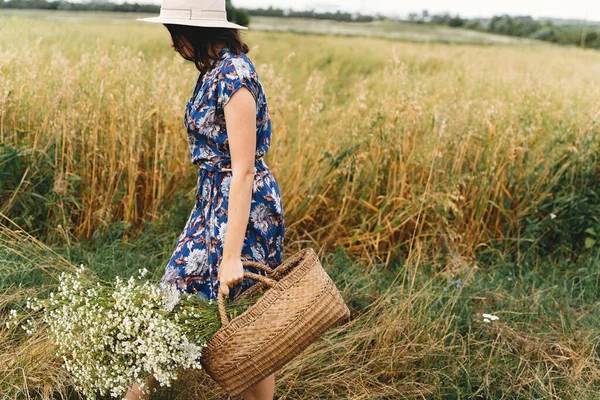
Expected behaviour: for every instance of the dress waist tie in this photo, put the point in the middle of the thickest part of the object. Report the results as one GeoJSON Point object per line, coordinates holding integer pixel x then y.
{"type": "Point", "coordinates": [223, 164]}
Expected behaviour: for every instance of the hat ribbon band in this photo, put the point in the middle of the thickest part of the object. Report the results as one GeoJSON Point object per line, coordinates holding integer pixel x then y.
{"type": "Point", "coordinates": [192, 14]}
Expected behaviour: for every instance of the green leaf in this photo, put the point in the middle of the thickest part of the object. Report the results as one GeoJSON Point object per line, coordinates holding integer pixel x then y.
{"type": "Point", "coordinates": [589, 243]}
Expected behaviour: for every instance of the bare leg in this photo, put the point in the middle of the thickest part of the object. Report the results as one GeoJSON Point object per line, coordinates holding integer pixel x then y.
{"type": "Point", "coordinates": [135, 392]}
{"type": "Point", "coordinates": [263, 390]}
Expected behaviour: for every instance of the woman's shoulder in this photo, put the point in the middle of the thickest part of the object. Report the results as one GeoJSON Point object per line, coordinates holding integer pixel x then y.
{"type": "Point", "coordinates": [237, 65]}
{"type": "Point", "coordinates": [235, 71]}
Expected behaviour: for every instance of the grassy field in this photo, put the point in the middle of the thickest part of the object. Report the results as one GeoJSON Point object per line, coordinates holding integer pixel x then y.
{"type": "Point", "coordinates": [382, 29]}
{"type": "Point", "coordinates": [409, 166]}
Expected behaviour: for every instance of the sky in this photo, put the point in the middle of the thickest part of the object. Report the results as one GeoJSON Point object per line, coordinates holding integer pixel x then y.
{"type": "Point", "coordinates": [573, 9]}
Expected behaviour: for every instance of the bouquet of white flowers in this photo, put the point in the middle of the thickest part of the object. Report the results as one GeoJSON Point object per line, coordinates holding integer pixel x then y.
{"type": "Point", "coordinates": [111, 334]}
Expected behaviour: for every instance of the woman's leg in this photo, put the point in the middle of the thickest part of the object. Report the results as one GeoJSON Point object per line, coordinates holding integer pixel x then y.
{"type": "Point", "coordinates": [263, 390]}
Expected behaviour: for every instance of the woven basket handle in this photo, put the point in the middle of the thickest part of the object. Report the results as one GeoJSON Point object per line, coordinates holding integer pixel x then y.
{"type": "Point", "coordinates": [267, 281]}
{"type": "Point", "coordinates": [258, 265]}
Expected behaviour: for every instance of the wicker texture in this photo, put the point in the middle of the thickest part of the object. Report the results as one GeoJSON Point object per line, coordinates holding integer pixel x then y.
{"type": "Point", "coordinates": [299, 304]}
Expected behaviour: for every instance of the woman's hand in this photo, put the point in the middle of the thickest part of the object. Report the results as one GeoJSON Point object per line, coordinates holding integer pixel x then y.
{"type": "Point", "coordinates": [231, 272]}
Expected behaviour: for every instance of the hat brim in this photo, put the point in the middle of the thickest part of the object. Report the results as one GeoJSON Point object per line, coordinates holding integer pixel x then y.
{"type": "Point", "coordinates": [208, 23]}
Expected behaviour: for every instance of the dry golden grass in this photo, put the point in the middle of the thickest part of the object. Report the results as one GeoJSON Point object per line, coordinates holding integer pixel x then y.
{"type": "Point", "coordinates": [373, 142]}
{"type": "Point", "coordinates": [29, 366]}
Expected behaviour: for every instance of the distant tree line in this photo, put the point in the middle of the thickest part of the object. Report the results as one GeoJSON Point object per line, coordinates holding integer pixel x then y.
{"type": "Point", "coordinates": [337, 16]}
{"type": "Point", "coordinates": [91, 6]}
{"type": "Point", "coordinates": [577, 34]}
{"type": "Point", "coordinates": [237, 15]}
{"type": "Point", "coordinates": [569, 33]}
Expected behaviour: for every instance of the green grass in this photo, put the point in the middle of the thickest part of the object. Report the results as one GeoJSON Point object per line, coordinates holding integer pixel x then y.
{"type": "Point", "coordinates": [544, 343]}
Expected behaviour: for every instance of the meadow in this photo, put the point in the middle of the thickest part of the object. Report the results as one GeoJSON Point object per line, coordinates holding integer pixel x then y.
{"type": "Point", "coordinates": [437, 181]}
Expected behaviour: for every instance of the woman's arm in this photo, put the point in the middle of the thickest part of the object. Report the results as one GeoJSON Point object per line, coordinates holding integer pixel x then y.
{"type": "Point", "coordinates": [240, 118]}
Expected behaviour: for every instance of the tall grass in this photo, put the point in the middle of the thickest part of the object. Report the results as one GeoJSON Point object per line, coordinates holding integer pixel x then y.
{"type": "Point", "coordinates": [458, 143]}
{"type": "Point", "coordinates": [465, 137]}
{"type": "Point", "coordinates": [426, 162]}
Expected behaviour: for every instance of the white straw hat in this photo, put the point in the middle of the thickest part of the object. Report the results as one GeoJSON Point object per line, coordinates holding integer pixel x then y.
{"type": "Point", "coordinates": [207, 13]}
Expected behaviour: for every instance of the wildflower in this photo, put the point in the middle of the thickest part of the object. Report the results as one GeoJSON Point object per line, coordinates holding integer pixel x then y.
{"type": "Point", "coordinates": [456, 283]}
{"type": "Point", "coordinates": [552, 215]}
{"type": "Point", "coordinates": [487, 318]}
{"type": "Point", "coordinates": [119, 330]}
{"type": "Point", "coordinates": [171, 297]}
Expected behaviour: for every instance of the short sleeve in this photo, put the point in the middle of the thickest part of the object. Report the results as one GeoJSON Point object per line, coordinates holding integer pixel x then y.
{"type": "Point", "coordinates": [237, 72]}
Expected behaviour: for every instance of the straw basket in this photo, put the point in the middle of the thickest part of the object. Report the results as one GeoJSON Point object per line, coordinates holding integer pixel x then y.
{"type": "Point", "coordinates": [299, 304]}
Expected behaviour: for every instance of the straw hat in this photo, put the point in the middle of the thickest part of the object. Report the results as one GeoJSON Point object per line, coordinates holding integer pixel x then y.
{"type": "Point", "coordinates": [207, 13]}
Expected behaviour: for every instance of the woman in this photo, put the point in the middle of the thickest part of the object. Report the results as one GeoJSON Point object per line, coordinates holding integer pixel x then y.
{"type": "Point", "coordinates": [238, 213]}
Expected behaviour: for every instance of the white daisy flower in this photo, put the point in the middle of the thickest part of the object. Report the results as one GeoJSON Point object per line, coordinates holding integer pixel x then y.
{"type": "Point", "coordinates": [171, 297]}
{"type": "Point", "coordinates": [489, 317]}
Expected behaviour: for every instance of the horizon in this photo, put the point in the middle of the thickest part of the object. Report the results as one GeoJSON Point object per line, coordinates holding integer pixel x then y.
{"type": "Point", "coordinates": [575, 10]}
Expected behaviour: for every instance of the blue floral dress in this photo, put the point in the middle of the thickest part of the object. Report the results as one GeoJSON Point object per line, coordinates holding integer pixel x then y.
{"type": "Point", "coordinates": [193, 267]}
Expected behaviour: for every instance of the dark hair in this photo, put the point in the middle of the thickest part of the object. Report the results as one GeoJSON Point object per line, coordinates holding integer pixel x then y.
{"type": "Point", "coordinates": [194, 42]}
